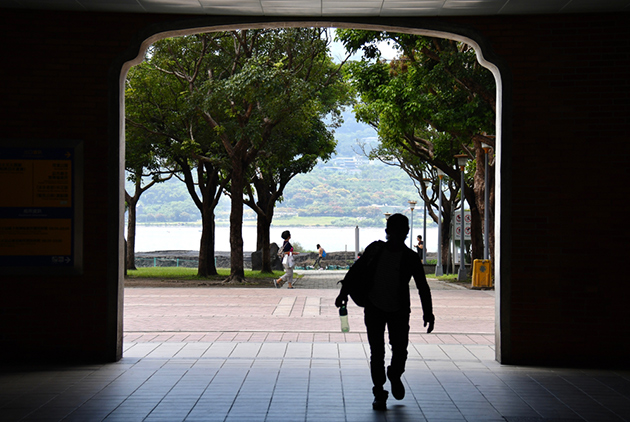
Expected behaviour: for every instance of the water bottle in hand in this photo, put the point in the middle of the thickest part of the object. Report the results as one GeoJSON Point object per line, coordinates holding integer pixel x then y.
{"type": "Point", "coordinates": [343, 315]}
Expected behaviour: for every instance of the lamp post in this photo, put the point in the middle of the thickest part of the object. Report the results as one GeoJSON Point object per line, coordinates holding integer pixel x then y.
{"type": "Point", "coordinates": [486, 209]}
{"type": "Point", "coordinates": [387, 215]}
{"type": "Point", "coordinates": [412, 205]}
{"type": "Point", "coordinates": [438, 268]}
{"type": "Point", "coordinates": [461, 273]}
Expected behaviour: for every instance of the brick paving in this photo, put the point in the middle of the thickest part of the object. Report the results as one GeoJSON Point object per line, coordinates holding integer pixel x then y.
{"type": "Point", "coordinates": [304, 314]}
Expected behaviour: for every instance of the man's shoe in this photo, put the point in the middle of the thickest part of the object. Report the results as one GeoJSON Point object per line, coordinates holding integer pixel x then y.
{"type": "Point", "coordinates": [380, 400]}
{"type": "Point", "coordinates": [398, 389]}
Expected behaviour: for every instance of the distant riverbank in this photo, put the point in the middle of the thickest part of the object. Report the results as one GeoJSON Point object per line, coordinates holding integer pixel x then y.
{"type": "Point", "coordinates": [189, 258]}
{"type": "Point", "coordinates": [294, 221]}
{"type": "Point", "coordinates": [341, 239]}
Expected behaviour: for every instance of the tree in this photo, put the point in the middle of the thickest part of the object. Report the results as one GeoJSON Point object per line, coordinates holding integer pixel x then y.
{"type": "Point", "coordinates": [245, 86]}
{"type": "Point", "coordinates": [288, 154]}
{"type": "Point", "coordinates": [156, 108]}
{"type": "Point", "coordinates": [427, 184]}
{"type": "Point", "coordinates": [434, 101]}
{"type": "Point", "coordinates": [140, 163]}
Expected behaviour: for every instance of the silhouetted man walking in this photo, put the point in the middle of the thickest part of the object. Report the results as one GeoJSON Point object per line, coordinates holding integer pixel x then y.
{"type": "Point", "coordinates": [387, 268]}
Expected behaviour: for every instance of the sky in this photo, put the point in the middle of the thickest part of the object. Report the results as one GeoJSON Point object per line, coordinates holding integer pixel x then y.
{"type": "Point", "coordinates": [339, 53]}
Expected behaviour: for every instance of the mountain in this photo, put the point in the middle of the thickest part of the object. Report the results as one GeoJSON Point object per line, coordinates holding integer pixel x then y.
{"type": "Point", "coordinates": [346, 188]}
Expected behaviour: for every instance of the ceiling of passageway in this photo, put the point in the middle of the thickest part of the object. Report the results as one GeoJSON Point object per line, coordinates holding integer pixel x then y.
{"type": "Point", "coordinates": [317, 8]}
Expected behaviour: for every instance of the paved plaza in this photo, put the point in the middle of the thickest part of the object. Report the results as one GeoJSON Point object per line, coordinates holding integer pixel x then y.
{"type": "Point", "coordinates": [304, 314]}
{"type": "Point", "coordinates": [244, 354]}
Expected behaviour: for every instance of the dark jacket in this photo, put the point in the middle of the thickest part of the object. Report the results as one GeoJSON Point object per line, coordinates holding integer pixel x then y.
{"type": "Point", "coordinates": [411, 266]}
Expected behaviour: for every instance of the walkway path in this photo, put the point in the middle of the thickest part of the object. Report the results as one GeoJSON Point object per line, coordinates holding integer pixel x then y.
{"type": "Point", "coordinates": [304, 314]}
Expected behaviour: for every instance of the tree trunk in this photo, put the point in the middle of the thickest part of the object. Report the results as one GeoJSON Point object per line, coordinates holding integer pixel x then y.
{"type": "Point", "coordinates": [208, 185]}
{"type": "Point", "coordinates": [480, 187]}
{"type": "Point", "coordinates": [130, 258]}
{"type": "Point", "coordinates": [446, 234]}
{"type": "Point", "coordinates": [237, 271]}
{"type": "Point", "coordinates": [476, 232]}
{"type": "Point", "coordinates": [206, 265]}
{"type": "Point", "coordinates": [263, 241]}
{"type": "Point", "coordinates": [264, 208]}
{"type": "Point", "coordinates": [476, 224]}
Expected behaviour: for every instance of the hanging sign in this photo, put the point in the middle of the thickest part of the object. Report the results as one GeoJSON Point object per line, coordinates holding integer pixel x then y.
{"type": "Point", "coordinates": [457, 221]}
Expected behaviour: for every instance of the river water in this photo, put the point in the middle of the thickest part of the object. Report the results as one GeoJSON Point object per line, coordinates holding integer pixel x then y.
{"type": "Point", "coordinates": [333, 239]}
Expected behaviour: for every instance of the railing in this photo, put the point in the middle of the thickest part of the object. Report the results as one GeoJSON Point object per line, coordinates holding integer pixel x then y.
{"type": "Point", "coordinates": [168, 262]}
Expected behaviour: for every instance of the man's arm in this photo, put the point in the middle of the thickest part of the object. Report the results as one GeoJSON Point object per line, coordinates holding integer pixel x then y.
{"type": "Point", "coordinates": [424, 291]}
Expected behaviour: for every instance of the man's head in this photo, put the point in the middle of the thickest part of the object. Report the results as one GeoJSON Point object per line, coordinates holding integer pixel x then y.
{"type": "Point", "coordinates": [286, 235]}
{"type": "Point", "coordinates": [318, 246]}
{"type": "Point", "coordinates": [397, 227]}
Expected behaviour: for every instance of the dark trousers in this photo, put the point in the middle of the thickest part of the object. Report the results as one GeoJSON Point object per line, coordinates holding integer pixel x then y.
{"type": "Point", "coordinates": [398, 328]}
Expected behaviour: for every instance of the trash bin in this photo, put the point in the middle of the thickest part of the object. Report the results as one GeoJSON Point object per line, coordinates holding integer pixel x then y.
{"type": "Point", "coordinates": [482, 273]}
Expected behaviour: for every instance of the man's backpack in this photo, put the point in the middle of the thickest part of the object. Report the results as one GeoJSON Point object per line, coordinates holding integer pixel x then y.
{"type": "Point", "coordinates": [360, 276]}
{"type": "Point", "coordinates": [323, 253]}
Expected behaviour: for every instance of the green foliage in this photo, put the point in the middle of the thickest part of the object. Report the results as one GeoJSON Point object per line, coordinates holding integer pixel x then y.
{"type": "Point", "coordinates": [242, 108]}
{"type": "Point", "coordinates": [365, 193]}
{"type": "Point", "coordinates": [432, 100]}
{"type": "Point", "coordinates": [325, 196]}
{"type": "Point", "coordinates": [297, 247]}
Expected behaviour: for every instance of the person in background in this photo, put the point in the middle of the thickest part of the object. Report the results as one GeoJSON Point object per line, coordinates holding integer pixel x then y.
{"type": "Point", "coordinates": [286, 249]}
{"type": "Point", "coordinates": [420, 248]}
{"type": "Point", "coordinates": [391, 265]}
{"type": "Point", "coordinates": [318, 261]}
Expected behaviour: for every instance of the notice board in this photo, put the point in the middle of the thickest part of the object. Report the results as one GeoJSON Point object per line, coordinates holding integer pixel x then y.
{"type": "Point", "coordinates": [41, 207]}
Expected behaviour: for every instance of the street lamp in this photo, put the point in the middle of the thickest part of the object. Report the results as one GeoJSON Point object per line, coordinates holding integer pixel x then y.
{"type": "Point", "coordinates": [387, 215]}
{"type": "Point", "coordinates": [486, 210]}
{"type": "Point", "coordinates": [412, 205]}
{"type": "Point", "coordinates": [462, 159]}
{"type": "Point", "coordinates": [438, 268]}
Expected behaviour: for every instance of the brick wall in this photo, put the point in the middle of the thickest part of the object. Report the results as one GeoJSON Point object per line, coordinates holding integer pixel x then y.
{"type": "Point", "coordinates": [570, 107]}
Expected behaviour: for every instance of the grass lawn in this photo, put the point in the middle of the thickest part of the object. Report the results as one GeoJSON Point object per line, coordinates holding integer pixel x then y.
{"type": "Point", "coordinates": [187, 277]}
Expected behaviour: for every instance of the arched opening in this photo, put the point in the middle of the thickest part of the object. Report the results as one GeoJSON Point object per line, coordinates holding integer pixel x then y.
{"type": "Point", "coordinates": [484, 56]}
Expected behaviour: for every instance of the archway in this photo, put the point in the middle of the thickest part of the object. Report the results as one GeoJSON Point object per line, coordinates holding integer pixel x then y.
{"type": "Point", "coordinates": [485, 56]}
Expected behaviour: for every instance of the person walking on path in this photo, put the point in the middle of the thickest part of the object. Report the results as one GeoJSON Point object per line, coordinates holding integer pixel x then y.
{"type": "Point", "coordinates": [287, 261]}
{"type": "Point", "coordinates": [420, 248]}
{"type": "Point", "coordinates": [387, 268]}
{"type": "Point", "coordinates": [318, 261]}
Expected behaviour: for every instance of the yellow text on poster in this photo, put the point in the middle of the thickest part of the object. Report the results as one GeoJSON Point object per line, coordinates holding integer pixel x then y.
{"type": "Point", "coordinates": [34, 237]}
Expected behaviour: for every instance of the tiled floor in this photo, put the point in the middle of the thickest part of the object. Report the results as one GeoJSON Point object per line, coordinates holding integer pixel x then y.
{"type": "Point", "coordinates": [232, 381]}
{"type": "Point", "coordinates": [263, 375]}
